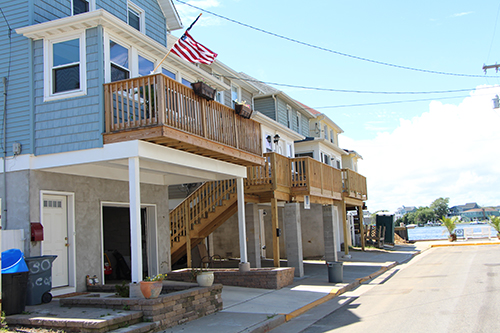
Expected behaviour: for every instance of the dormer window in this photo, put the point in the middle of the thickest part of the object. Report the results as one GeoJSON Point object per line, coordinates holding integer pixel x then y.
{"type": "Point", "coordinates": [135, 17]}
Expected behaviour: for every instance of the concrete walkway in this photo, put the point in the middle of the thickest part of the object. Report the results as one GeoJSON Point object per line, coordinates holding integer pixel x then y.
{"type": "Point", "coordinates": [260, 310]}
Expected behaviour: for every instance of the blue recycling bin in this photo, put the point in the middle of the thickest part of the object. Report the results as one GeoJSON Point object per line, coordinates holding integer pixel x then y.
{"type": "Point", "coordinates": [14, 281]}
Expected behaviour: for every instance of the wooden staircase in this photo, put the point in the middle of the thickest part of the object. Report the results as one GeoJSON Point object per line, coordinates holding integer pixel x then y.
{"type": "Point", "coordinates": [200, 214]}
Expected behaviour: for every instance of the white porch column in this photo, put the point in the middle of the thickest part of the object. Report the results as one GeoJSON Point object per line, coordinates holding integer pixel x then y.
{"type": "Point", "coordinates": [241, 222]}
{"type": "Point", "coordinates": [134, 190]}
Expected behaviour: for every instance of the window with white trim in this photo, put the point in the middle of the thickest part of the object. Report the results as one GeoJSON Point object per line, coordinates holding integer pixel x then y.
{"type": "Point", "coordinates": [299, 122]}
{"type": "Point", "coordinates": [235, 94]}
{"type": "Point", "coordinates": [332, 138]}
{"type": "Point", "coordinates": [168, 73]}
{"type": "Point", "coordinates": [145, 66]}
{"type": "Point", "coordinates": [65, 67]}
{"type": "Point", "coordinates": [288, 116]}
{"type": "Point", "coordinates": [135, 16]}
{"type": "Point", "coordinates": [219, 97]}
{"type": "Point", "coordinates": [119, 61]}
{"type": "Point", "coordinates": [325, 132]}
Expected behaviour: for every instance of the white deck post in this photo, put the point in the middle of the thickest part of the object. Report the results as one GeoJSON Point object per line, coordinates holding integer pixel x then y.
{"type": "Point", "coordinates": [241, 223]}
{"type": "Point", "coordinates": [135, 218]}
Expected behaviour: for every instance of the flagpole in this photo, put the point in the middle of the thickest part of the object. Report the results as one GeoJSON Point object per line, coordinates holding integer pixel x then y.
{"type": "Point", "coordinates": [165, 57]}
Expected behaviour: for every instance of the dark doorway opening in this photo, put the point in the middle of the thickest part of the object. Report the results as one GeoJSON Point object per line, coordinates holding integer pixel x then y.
{"type": "Point", "coordinates": [116, 232]}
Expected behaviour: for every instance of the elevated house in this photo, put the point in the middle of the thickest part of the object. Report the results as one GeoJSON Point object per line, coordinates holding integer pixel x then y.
{"type": "Point", "coordinates": [298, 188]}
{"type": "Point", "coordinates": [94, 141]}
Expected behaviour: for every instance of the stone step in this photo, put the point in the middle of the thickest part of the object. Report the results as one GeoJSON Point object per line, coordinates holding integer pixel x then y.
{"type": "Point", "coordinates": [76, 319]}
{"type": "Point", "coordinates": [137, 328]}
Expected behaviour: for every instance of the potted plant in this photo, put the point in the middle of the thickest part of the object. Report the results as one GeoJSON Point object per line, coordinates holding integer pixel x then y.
{"type": "Point", "coordinates": [242, 109]}
{"type": "Point", "coordinates": [204, 278]}
{"type": "Point", "coordinates": [495, 223]}
{"type": "Point", "coordinates": [450, 224]}
{"type": "Point", "coordinates": [151, 286]}
{"type": "Point", "coordinates": [203, 89]}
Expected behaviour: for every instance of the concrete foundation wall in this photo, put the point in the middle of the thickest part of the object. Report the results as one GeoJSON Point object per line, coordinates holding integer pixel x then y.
{"type": "Point", "coordinates": [24, 207]}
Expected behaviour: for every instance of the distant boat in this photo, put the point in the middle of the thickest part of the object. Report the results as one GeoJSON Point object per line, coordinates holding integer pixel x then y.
{"type": "Point", "coordinates": [411, 226]}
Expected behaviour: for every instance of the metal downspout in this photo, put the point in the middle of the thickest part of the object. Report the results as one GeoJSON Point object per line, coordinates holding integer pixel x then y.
{"type": "Point", "coordinates": [4, 142]}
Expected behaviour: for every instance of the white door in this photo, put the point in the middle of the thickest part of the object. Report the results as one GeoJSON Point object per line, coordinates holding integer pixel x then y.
{"type": "Point", "coordinates": [55, 235]}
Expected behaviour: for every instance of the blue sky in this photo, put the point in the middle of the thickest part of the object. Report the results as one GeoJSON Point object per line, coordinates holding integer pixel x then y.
{"type": "Point", "coordinates": [446, 36]}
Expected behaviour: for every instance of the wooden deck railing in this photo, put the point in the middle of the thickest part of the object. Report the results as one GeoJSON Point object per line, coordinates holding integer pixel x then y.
{"type": "Point", "coordinates": [301, 176]}
{"type": "Point", "coordinates": [158, 100]}
{"type": "Point", "coordinates": [354, 184]}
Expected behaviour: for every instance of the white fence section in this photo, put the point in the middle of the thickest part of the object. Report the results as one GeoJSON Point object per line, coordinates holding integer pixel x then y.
{"type": "Point", "coordinates": [13, 239]}
{"type": "Point", "coordinates": [480, 232]}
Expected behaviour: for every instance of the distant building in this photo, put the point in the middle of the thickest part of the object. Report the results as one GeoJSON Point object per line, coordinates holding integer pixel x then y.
{"type": "Point", "coordinates": [401, 211]}
{"type": "Point", "coordinates": [479, 214]}
{"type": "Point", "coordinates": [458, 210]}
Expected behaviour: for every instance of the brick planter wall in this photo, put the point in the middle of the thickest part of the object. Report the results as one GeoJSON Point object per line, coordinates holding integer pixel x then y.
{"type": "Point", "coordinates": [167, 310]}
{"type": "Point", "coordinates": [265, 278]}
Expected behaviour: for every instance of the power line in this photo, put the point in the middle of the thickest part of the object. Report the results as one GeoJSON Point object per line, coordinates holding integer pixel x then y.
{"type": "Point", "coordinates": [354, 91]}
{"type": "Point", "coordinates": [383, 103]}
{"type": "Point", "coordinates": [333, 51]}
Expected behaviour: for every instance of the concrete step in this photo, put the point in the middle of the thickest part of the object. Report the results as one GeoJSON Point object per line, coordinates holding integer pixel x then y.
{"type": "Point", "coordinates": [76, 319]}
{"type": "Point", "coordinates": [137, 328]}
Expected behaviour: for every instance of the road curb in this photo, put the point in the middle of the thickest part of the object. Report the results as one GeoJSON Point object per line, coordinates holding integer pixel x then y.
{"type": "Point", "coordinates": [465, 244]}
{"type": "Point", "coordinates": [337, 292]}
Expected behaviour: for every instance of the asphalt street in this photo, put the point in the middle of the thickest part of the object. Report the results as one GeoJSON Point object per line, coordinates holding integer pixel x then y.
{"type": "Point", "coordinates": [449, 289]}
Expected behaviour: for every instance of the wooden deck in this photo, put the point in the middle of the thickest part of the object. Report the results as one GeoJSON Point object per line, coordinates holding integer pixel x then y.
{"type": "Point", "coordinates": [290, 179]}
{"type": "Point", "coordinates": [158, 109]}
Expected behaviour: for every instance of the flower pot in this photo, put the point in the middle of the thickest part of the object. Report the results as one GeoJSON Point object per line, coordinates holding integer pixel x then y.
{"type": "Point", "coordinates": [151, 289]}
{"type": "Point", "coordinates": [243, 110]}
{"type": "Point", "coordinates": [452, 237]}
{"type": "Point", "coordinates": [205, 279]}
{"type": "Point", "coordinates": [204, 90]}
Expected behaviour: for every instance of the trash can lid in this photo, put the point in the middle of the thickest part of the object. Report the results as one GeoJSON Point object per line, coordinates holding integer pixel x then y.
{"type": "Point", "coordinates": [13, 262]}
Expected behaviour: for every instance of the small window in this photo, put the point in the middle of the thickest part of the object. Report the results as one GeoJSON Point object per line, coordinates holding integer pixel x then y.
{"type": "Point", "coordinates": [289, 116]}
{"type": "Point", "coordinates": [186, 82]}
{"type": "Point", "coordinates": [331, 137]}
{"type": "Point", "coordinates": [145, 66]}
{"type": "Point", "coordinates": [135, 17]}
{"type": "Point", "coordinates": [299, 122]}
{"type": "Point", "coordinates": [235, 96]}
{"type": "Point", "coordinates": [326, 132]}
{"type": "Point", "coordinates": [168, 73]}
{"type": "Point", "coordinates": [80, 6]}
{"type": "Point", "coordinates": [119, 62]}
{"type": "Point", "coordinates": [219, 97]}
{"type": "Point", "coordinates": [64, 67]}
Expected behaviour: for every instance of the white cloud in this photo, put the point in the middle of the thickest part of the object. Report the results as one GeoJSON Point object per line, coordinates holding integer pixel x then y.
{"type": "Point", "coordinates": [449, 151]}
{"type": "Point", "coordinates": [461, 14]}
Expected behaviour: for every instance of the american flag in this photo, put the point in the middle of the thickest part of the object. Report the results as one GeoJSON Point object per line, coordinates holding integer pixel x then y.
{"type": "Point", "coordinates": [190, 50]}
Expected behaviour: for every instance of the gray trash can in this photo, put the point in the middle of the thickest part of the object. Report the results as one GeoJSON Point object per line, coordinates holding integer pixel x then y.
{"type": "Point", "coordinates": [335, 271]}
{"type": "Point", "coordinates": [39, 279]}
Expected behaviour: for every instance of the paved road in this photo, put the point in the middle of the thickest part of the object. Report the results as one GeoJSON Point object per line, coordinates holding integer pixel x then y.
{"type": "Point", "coordinates": [450, 289]}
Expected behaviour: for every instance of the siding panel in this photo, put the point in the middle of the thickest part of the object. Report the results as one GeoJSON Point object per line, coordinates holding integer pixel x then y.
{"type": "Point", "coordinates": [15, 60]}
{"type": "Point", "coordinates": [72, 123]}
{"type": "Point", "coordinates": [265, 106]}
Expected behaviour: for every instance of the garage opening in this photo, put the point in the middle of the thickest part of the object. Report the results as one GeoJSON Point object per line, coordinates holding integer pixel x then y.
{"type": "Point", "coordinates": [117, 252]}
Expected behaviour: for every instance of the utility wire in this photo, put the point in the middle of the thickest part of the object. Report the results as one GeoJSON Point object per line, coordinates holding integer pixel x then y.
{"type": "Point", "coordinates": [354, 91]}
{"type": "Point", "coordinates": [333, 51]}
{"type": "Point", "coordinates": [384, 103]}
